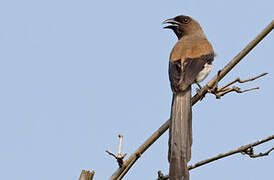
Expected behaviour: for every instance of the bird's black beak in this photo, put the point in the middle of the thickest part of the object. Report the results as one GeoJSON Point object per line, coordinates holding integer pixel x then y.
{"type": "Point", "coordinates": [172, 24]}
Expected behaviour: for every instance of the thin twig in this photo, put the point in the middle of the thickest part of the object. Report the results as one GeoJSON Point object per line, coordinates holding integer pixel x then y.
{"type": "Point", "coordinates": [242, 81]}
{"type": "Point", "coordinates": [250, 153]}
{"type": "Point", "coordinates": [219, 92]}
{"type": "Point", "coordinates": [86, 175]}
{"type": "Point", "coordinates": [246, 149]}
{"type": "Point", "coordinates": [120, 144]}
{"type": "Point", "coordinates": [161, 176]}
{"type": "Point", "coordinates": [232, 89]}
{"type": "Point", "coordinates": [119, 157]}
{"type": "Point", "coordinates": [133, 157]}
{"type": "Point", "coordinates": [238, 150]}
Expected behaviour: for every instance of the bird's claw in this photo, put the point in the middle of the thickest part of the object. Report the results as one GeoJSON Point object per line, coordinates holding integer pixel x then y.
{"type": "Point", "coordinates": [199, 92]}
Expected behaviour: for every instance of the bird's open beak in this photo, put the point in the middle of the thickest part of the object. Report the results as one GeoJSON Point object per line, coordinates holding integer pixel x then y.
{"type": "Point", "coordinates": [172, 22]}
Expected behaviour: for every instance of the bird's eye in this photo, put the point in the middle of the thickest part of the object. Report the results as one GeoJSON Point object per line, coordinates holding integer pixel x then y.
{"type": "Point", "coordinates": [185, 20]}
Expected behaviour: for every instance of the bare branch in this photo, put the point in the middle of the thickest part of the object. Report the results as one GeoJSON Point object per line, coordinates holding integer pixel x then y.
{"type": "Point", "coordinates": [111, 153]}
{"type": "Point", "coordinates": [246, 149]}
{"type": "Point", "coordinates": [133, 157]}
{"type": "Point", "coordinates": [219, 92]}
{"type": "Point", "coordinates": [161, 176]}
{"type": "Point", "coordinates": [120, 144]}
{"type": "Point", "coordinates": [242, 81]}
{"type": "Point", "coordinates": [86, 175]}
{"type": "Point", "coordinates": [250, 153]}
{"type": "Point", "coordinates": [233, 89]}
{"type": "Point", "coordinates": [119, 157]}
{"type": "Point", "coordinates": [239, 150]}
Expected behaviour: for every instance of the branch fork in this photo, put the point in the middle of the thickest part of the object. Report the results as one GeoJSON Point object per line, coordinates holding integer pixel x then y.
{"type": "Point", "coordinates": [161, 176]}
{"type": "Point", "coordinates": [250, 152]}
{"type": "Point", "coordinates": [119, 157]}
{"type": "Point", "coordinates": [86, 175]}
{"type": "Point", "coordinates": [219, 92]}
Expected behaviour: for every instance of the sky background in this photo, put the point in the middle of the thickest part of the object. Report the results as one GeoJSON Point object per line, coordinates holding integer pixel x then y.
{"type": "Point", "coordinates": [76, 73]}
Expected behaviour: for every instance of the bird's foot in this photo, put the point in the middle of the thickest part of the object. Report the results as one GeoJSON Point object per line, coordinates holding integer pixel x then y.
{"type": "Point", "coordinates": [200, 87]}
{"type": "Point", "coordinates": [199, 92]}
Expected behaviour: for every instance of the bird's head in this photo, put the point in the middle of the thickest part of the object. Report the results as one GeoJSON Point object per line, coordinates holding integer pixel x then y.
{"type": "Point", "coordinates": [183, 25]}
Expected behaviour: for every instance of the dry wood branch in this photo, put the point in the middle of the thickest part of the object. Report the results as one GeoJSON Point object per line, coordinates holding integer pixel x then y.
{"type": "Point", "coordinates": [119, 173]}
{"type": "Point", "coordinates": [232, 89]}
{"type": "Point", "coordinates": [246, 149]}
{"type": "Point", "coordinates": [242, 81]}
{"type": "Point", "coordinates": [219, 92]}
{"type": "Point", "coordinates": [238, 150]}
{"type": "Point", "coordinates": [119, 157]}
{"type": "Point", "coordinates": [250, 153]}
{"type": "Point", "coordinates": [86, 175]}
{"type": "Point", "coordinates": [161, 176]}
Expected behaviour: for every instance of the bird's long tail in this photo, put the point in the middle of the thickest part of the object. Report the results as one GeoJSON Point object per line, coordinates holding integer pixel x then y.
{"type": "Point", "coordinates": [180, 135]}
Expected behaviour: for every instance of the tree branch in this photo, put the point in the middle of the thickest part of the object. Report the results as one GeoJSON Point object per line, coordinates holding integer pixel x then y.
{"type": "Point", "coordinates": [161, 176]}
{"type": "Point", "coordinates": [86, 175]}
{"type": "Point", "coordinates": [119, 157]}
{"type": "Point", "coordinates": [242, 81]}
{"type": "Point", "coordinates": [250, 152]}
{"type": "Point", "coordinates": [219, 92]}
{"type": "Point", "coordinates": [119, 173]}
{"type": "Point", "coordinates": [246, 149]}
{"type": "Point", "coordinates": [233, 89]}
{"type": "Point", "coordinates": [242, 149]}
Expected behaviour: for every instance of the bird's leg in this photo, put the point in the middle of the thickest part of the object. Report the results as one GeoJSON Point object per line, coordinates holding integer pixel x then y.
{"type": "Point", "coordinates": [214, 89]}
{"type": "Point", "coordinates": [198, 90]}
{"type": "Point", "coordinates": [200, 87]}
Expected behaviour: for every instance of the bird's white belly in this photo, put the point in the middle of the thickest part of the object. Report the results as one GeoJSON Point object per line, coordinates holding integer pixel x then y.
{"type": "Point", "coordinates": [203, 74]}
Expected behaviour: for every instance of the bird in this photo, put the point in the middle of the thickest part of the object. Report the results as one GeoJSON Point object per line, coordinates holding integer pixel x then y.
{"type": "Point", "coordinates": [190, 62]}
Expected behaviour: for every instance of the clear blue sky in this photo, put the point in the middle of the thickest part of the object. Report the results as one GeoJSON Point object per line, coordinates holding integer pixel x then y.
{"type": "Point", "coordinates": [75, 74]}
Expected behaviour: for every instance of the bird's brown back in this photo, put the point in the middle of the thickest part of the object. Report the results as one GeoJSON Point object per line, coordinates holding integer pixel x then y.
{"type": "Point", "coordinates": [192, 46]}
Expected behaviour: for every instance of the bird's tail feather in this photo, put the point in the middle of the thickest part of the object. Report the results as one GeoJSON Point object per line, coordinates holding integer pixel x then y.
{"type": "Point", "coordinates": [180, 135]}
